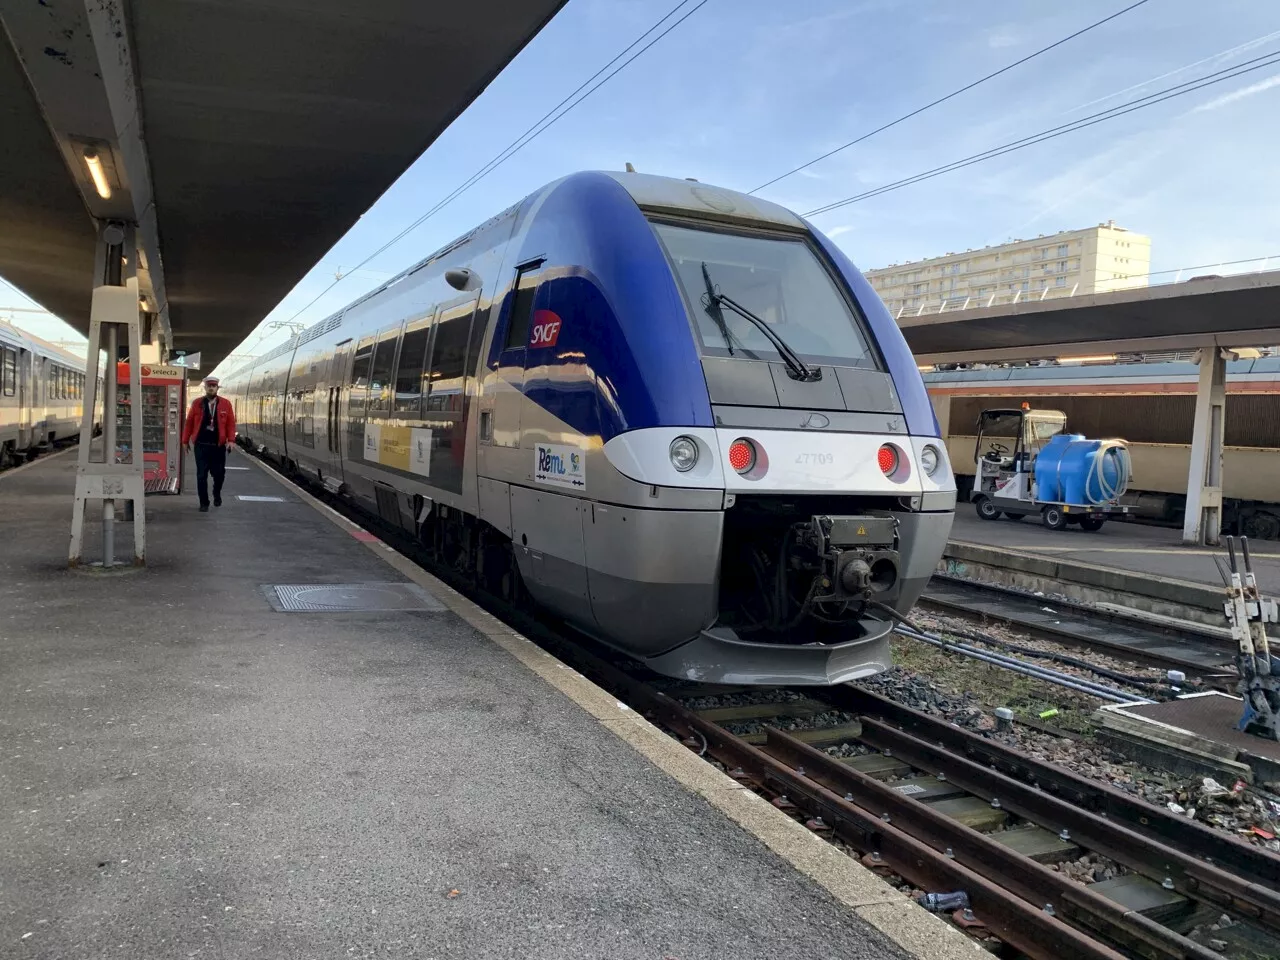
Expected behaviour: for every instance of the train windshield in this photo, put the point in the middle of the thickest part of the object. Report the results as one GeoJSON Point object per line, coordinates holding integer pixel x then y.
{"type": "Point", "coordinates": [778, 279]}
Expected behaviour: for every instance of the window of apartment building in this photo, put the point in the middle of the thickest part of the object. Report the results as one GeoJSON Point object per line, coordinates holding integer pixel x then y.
{"type": "Point", "coordinates": [1025, 285]}
{"type": "Point", "coordinates": [1062, 249]}
{"type": "Point", "coordinates": [1062, 266]}
{"type": "Point", "coordinates": [1060, 282]}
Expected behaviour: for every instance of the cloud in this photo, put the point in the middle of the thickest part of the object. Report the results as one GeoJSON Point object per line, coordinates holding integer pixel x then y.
{"type": "Point", "coordinates": [997, 40]}
{"type": "Point", "coordinates": [1234, 95]}
{"type": "Point", "coordinates": [836, 231]}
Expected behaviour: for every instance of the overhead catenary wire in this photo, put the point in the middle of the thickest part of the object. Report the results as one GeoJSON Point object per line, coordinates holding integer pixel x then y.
{"type": "Point", "coordinates": [1168, 93]}
{"type": "Point", "coordinates": [950, 96]}
{"type": "Point", "coordinates": [584, 90]}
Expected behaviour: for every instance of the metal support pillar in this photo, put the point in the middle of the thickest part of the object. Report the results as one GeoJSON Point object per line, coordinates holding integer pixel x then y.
{"type": "Point", "coordinates": [117, 475]}
{"type": "Point", "coordinates": [1203, 521]}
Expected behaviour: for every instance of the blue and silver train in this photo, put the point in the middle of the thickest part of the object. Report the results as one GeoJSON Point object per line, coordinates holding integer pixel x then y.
{"type": "Point", "coordinates": [675, 416]}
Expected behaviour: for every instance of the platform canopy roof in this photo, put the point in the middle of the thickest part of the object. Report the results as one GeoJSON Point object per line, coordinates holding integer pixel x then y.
{"type": "Point", "coordinates": [1237, 311]}
{"type": "Point", "coordinates": [244, 137]}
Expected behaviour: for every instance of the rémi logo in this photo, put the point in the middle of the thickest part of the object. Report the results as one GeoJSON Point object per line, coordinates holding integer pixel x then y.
{"type": "Point", "coordinates": [549, 462]}
{"type": "Point", "coordinates": [546, 329]}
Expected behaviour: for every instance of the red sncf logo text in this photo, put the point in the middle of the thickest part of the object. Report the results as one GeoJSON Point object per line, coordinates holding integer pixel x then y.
{"type": "Point", "coordinates": [546, 329]}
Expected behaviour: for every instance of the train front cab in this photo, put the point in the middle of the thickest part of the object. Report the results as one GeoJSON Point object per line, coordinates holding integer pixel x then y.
{"type": "Point", "coordinates": [679, 483]}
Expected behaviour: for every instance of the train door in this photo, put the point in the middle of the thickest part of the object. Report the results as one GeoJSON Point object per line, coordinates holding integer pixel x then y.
{"type": "Point", "coordinates": [39, 401]}
{"type": "Point", "coordinates": [335, 412]}
{"type": "Point", "coordinates": [500, 413]}
{"type": "Point", "coordinates": [25, 389]}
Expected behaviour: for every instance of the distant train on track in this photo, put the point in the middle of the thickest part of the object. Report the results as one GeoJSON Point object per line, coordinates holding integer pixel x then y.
{"type": "Point", "coordinates": [676, 416]}
{"type": "Point", "coordinates": [1151, 406]}
{"type": "Point", "coordinates": [42, 393]}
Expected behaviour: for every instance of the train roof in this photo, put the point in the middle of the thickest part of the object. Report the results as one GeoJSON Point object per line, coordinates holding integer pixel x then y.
{"type": "Point", "coordinates": [18, 336]}
{"type": "Point", "coordinates": [669, 194]}
{"type": "Point", "coordinates": [653, 194]}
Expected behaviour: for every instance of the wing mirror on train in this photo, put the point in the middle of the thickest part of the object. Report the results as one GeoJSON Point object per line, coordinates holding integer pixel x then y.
{"type": "Point", "coordinates": [462, 279]}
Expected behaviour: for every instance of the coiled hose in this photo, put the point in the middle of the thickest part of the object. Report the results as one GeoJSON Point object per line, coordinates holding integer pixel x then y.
{"type": "Point", "coordinates": [1124, 470]}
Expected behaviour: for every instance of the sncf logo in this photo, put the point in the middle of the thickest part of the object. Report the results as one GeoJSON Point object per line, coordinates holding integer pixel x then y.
{"type": "Point", "coordinates": [546, 329]}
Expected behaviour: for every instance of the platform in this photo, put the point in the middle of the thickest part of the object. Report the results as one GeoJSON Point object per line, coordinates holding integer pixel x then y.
{"type": "Point", "coordinates": [191, 769]}
{"type": "Point", "coordinates": [1124, 567]}
{"type": "Point", "coordinates": [1137, 548]}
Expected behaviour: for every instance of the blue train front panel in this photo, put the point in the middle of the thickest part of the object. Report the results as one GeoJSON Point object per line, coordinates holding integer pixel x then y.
{"type": "Point", "coordinates": [704, 435]}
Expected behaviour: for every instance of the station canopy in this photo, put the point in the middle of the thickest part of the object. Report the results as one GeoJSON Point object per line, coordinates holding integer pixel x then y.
{"type": "Point", "coordinates": [244, 138]}
{"type": "Point", "coordinates": [1236, 311]}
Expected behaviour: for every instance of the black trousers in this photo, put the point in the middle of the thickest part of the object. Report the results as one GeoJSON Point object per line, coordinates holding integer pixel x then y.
{"type": "Point", "coordinates": [210, 459]}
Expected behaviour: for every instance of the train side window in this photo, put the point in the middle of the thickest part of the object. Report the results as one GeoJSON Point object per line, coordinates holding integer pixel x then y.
{"type": "Point", "coordinates": [521, 308]}
{"type": "Point", "coordinates": [360, 365]}
{"type": "Point", "coordinates": [382, 376]}
{"type": "Point", "coordinates": [409, 379]}
{"type": "Point", "coordinates": [449, 360]}
{"type": "Point", "coordinates": [9, 372]}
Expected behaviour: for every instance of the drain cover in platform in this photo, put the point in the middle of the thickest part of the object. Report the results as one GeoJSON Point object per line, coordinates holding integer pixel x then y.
{"type": "Point", "coordinates": [256, 499]}
{"type": "Point", "coordinates": [349, 597]}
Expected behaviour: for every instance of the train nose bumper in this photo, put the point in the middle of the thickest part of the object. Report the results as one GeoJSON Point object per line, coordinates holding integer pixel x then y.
{"type": "Point", "coordinates": [717, 655]}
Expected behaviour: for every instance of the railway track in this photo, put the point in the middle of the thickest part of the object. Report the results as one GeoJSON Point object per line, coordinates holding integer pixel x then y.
{"type": "Point", "coordinates": [1197, 653]}
{"type": "Point", "coordinates": [956, 814]}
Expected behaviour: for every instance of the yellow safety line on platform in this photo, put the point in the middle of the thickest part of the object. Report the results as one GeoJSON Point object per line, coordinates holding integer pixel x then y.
{"type": "Point", "coordinates": [887, 909]}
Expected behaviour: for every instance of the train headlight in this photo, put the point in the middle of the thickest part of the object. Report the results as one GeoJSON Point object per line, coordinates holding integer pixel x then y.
{"type": "Point", "coordinates": [684, 454]}
{"type": "Point", "coordinates": [929, 460]}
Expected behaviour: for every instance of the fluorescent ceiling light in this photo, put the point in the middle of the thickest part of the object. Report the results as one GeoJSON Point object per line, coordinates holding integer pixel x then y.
{"type": "Point", "coordinates": [97, 174]}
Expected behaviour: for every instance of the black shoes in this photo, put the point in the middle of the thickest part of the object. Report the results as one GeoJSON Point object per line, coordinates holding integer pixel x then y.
{"type": "Point", "coordinates": [217, 501]}
{"type": "Point", "coordinates": [204, 508]}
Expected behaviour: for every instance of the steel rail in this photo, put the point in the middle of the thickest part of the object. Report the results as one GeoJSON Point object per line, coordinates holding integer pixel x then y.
{"type": "Point", "coordinates": [1032, 881]}
{"type": "Point", "coordinates": [1024, 925]}
{"type": "Point", "coordinates": [1123, 822]}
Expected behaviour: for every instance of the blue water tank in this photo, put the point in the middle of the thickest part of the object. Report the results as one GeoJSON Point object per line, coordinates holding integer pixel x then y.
{"type": "Point", "coordinates": [1049, 467]}
{"type": "Point", "coordinates": [1072, 469]}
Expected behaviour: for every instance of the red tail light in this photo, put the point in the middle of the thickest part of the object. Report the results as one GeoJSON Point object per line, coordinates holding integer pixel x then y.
{"type": "Point", "coordinates": [742, 455]}
{"type": "Point", "coordinates": [888, 459]}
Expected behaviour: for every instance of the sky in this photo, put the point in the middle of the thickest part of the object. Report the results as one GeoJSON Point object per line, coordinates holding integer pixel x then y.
{"type": "Point", "coordinates": [745, 90]}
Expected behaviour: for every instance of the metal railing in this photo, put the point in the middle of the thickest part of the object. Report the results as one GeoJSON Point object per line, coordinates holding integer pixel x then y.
{"type": "Point", "coordinates": [956, 304]}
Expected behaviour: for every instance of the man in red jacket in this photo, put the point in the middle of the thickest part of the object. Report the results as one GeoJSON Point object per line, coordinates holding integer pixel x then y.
{"type": "Point", "coordinates": [211, 430]}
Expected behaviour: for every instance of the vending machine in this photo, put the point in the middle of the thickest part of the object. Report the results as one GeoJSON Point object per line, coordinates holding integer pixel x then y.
{"type": "Point", "coordinates": [164, 396]}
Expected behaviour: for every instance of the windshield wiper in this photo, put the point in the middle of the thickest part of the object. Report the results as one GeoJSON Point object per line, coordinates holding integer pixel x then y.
{"type": "Point", "coordinates": [713, 308]}
{"type": "Point", "coordinates": [797, 366]}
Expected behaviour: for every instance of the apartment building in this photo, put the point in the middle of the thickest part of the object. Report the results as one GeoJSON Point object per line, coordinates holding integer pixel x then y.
{"type": "Point", "coordinates": [1093, 260]}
